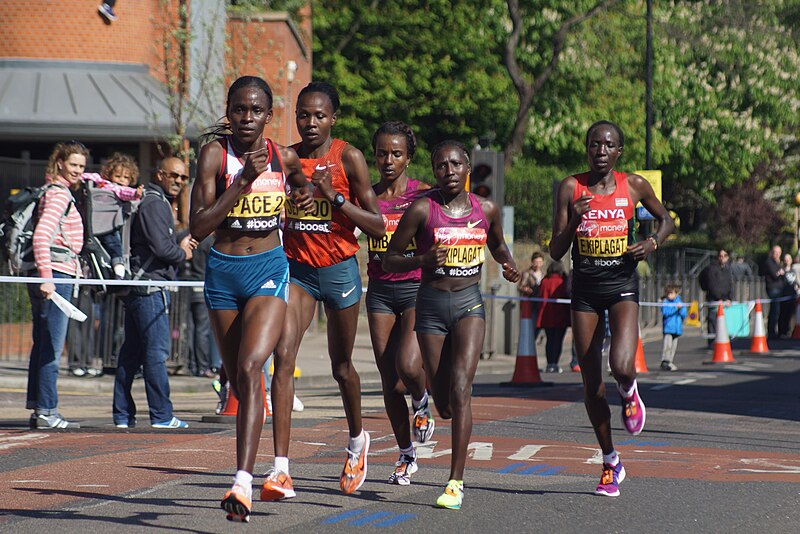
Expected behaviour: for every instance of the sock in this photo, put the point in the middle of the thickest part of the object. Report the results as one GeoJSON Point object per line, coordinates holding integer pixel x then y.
{"type": "Point", "coordinates": [244, 479]}
{"type": "Point", "coordinates": [281, 464]}
{"type": "Point", "coordinates": [628, 393]}
{"type": "Point", "coordinates": [611, 459]}
{"type": "Point", "coordinates": [357, 443]}
{"type": "Point", "coordinates": [119, 270]}
{"type": "Point", "coordinates": [417, 403]}
{"type": "Point", "coordinates": [409, 451]}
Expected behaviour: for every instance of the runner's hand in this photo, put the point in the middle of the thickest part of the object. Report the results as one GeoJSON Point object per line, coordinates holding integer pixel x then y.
{"type": "Point", "coordinates": [510, 273]}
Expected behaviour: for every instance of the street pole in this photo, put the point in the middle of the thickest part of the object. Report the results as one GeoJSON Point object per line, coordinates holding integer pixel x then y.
{"type": "Point", "coordinates": [648, 161]}
{"type": "Point", "coordinates": [291, 69]}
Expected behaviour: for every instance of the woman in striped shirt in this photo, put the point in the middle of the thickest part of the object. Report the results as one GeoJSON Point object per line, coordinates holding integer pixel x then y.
{"type": "Point", "coordinates": [57, 240]}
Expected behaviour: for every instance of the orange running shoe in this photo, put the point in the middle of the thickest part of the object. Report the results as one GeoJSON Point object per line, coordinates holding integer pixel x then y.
{"type": "Point", "coordinates": [277, 486]}
{"type": "Point", "coordinates": [238, 503]}
{"type": "Point", "coordinates": [355, 468]}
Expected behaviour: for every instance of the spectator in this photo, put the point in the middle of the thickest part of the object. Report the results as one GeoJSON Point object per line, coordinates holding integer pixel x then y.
{"type": "Point", "coordinates": [553, 316]}
{"type": "Point", "coordinates": [673, 313]}
{"type": "Point", "coordinates": [775, 282]}
{"type": "Point", "coordinates": [716, 280]}
{"type": "Point", "coordinates": [529, 285]}
{"type": "Point", "coordinates": [57, 240]}
{"type": "Point", "coordinates": [156, 255]}
{"type": "Point", "coordinates": [740, 268]}
{"type": "Point", "coordinates": [789, 292]}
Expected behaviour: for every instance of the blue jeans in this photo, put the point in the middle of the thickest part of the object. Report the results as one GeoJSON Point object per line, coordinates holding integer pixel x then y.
{"type": "Point", "coordinates": [49, 336]}
{"type": "Point", "coordinates": [147, 342]}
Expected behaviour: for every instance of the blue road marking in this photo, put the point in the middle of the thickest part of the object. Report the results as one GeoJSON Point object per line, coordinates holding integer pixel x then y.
{"type": "Point", "coordinates": [640, 443]}
{"type": "Point", "coordinates": [369, 518]}
{"type": "Point", "coordinates": [343, 516]}
{"type": "Point", "coordinates": [532, 469]}
{"type": "Point", "coordinates": [392, 521]}
{"type": "Point", "coordinates": [512, 467]}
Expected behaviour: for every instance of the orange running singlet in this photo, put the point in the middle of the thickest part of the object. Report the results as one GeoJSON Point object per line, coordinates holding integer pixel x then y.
{"type": "Point", "coordinates": [323, 236]}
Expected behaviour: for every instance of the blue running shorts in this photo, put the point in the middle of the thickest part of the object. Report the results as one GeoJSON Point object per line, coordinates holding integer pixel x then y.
{"type": "Point", "coordinates": [338, 286]}
{"type": "Point", "coordinates": [232, 280]}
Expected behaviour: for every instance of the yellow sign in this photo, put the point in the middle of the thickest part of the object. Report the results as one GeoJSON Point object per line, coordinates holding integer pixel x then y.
{"type": "Point", "coordinates": [693, 317]}
{"type": "Point", "coordinates": [654, 177]}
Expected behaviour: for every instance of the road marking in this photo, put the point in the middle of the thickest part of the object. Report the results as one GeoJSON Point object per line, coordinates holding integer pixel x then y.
{"type": "Point", "coordinates": [343, 516]}
{"type": "Point", "coordinates": [527, 452]}
{"type": "Point", "coordinates": [392, 521]}
{"type": "Point", "coordinates": [21, 440]}
{"type": "Point", "coordinates": [357, 518]}
{"type": "Point", "coordinates": [369, 518]}
{"type": "Point", "coordinates": [478, 450]}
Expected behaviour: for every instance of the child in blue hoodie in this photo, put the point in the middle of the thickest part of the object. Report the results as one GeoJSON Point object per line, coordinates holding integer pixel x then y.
{"type": "Point", "coordinates": [674, 312]}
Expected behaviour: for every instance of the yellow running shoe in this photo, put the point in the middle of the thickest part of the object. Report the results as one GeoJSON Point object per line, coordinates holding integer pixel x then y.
{"type": "Point", "coordinates": [453, 495]}
{"type": "Point", "coordinates": [238, 503]}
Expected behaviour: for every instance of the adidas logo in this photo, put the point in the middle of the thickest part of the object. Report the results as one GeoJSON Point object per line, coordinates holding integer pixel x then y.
{"type": "Point", "coordinates": [236, 224]}
{"type": "Point", "coordinates": [269, 285]}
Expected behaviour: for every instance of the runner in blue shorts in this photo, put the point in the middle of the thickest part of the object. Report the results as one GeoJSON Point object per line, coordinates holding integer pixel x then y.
{"type": "Point", "coordinates": [240, 193]}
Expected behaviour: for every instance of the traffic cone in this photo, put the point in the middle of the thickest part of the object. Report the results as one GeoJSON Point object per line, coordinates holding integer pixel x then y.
{"type": "Point", "coordinates": [526, 367]}
{"type": "Point", "coordinates": [641, 364]}
{"type": "Point", "coordinates": [759, 343]}
{"type": "Point", "coordinates": [231, 403]}
{"type": "Point", "coordinates": [722, 343]}
{"type": "Point", "coordinates": [796, 331]}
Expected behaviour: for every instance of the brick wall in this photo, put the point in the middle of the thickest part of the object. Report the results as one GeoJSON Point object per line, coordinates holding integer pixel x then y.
{"type": "Point", "coordinates": [73, 30]}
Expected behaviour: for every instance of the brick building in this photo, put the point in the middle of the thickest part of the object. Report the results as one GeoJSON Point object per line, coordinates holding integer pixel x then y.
{"type": "Point", "coordinates": [67, 74]}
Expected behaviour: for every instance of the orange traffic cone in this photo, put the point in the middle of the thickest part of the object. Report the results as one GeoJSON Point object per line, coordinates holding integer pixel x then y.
{"type": "Point", "coordinates": [722, 343]}
{"type": "Point", "coordinates": [641, 364]}
{"type": "Point", "coordinates": [759, 343]}
{"type": "Point", "coordinates": [231, 403]}
{"type": "Point", "coordinates": [526, 367]}
{"type": "Point", "coordinates": [796, 331]}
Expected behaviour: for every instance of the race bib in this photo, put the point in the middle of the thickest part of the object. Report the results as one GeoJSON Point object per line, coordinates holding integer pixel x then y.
{"type": "Point", "coordinates": [314, 221]}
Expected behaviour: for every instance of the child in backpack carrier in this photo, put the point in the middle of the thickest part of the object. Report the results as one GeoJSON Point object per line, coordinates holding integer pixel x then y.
{"type": "Point", "coordinates": [673, 312]}
{"type": "Point", "coordinates": [116, 176]}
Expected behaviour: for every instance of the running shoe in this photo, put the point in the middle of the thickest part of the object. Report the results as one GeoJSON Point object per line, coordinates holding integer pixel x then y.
{"type": "Point", "coordinates": [277, 486]}
{"type": "Point", "coordinates": [355, 468]}
{"type": "Point", "coordinates": [668, 366]}
{"type": "Point", "coordinates": [126, 424]}
{"type": "Point", "coordinates": [424, 425]}
{"type": "Point", "coordinates": [172, 423]}
{"type": "Point", "coordinates": [633, 412]}
{"type": "Point", "coordinates": [612, 477]}
{"type": "Point", "coordinates": [452, 497]}
{"type": "Point", "coordinates": [575, 368]}
{"type": "Point", "coordinates": [406, 466]}
{"type": "Point", "coordinates": [553, 368]}
{"type": "Point", "coordinates": [238, 503]}
{"type": "Point", "coordinates": [297, 405]}
{"type": "Point", "coordinates": [47, 422]}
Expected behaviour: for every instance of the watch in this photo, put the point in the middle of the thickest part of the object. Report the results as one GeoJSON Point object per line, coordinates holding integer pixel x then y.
{"type": "Point", "coordinates": [338, 200]}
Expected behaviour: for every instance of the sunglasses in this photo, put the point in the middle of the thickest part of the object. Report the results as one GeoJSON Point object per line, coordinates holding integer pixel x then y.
{"type": "Point", "coordinates": [175, 175]}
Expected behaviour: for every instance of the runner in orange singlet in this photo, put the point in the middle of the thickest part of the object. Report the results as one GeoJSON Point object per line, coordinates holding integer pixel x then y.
{"type": "Point", "coordinates": [321, 245]}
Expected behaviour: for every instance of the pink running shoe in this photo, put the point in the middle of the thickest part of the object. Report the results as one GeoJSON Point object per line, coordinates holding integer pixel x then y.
{"type": "Point", "coordinates": [633, 412]}
{"type": "Point", "coordinates": [612, 477]}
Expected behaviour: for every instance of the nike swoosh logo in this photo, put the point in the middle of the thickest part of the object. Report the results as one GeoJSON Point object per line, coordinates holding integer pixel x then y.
{"type": "Point", "coordinates": [323, 167]}
{"type": "Point", "coordinates": [473, 224]}
{"type": "Point", "coordinates": [346, 293]}
{"type": "Point", "coordinates": [626, 294]}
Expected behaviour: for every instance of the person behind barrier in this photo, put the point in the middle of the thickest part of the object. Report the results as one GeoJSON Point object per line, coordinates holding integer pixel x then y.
{"type": "Point", "coordinates": [775, 282]}
{"type": "Point", "coordinates": [789, 304]}
{"type": "Point", "coordinates": [594, 213]}
{"type": "Point", "coordinates": [529, 286]}
{"type": "Point", "coordinates": [451, 227]}
{"type": "Point", "coordinates": [716, 280]}
{"type": "Point", "coordinates": [554, 316]}
{"type": "Point", "coordinates": [391, 300]}
{"type": "Point", "coordinates": [57, 240]}
{"type": "Point", "coordinates": [155, 256]}
{"type": "Point", "coordinates": [673, 312]}
{"type": "Point", "coordinates": [240, 194]}
{"type": "Point", "coordinates": [321, 246]}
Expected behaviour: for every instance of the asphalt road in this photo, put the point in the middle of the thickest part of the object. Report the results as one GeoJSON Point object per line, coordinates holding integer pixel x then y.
{"type": "Point", "coordinates": [719, 453]}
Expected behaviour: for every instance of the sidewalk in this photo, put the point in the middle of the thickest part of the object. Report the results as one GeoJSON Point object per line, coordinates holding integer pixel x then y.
{"type": "Point", "coordinates": [313, 362]}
